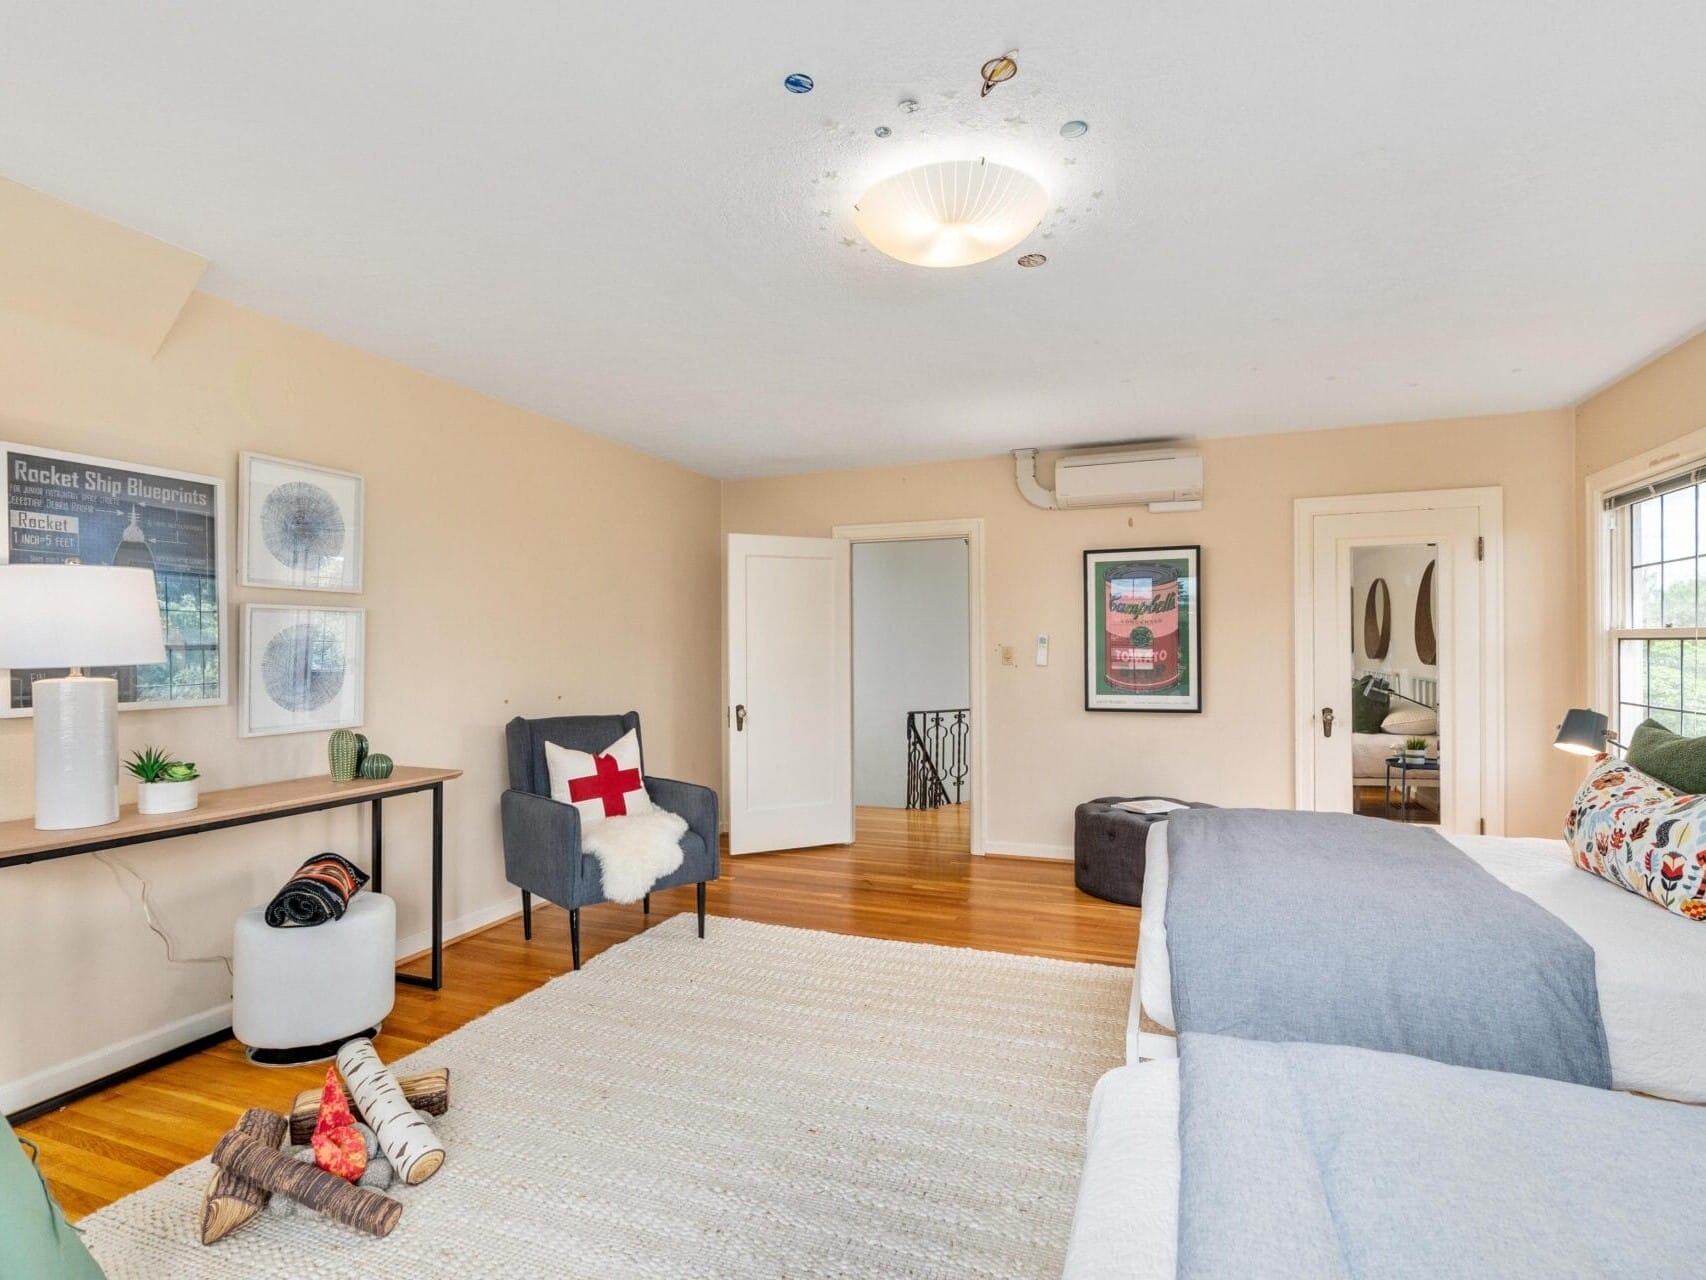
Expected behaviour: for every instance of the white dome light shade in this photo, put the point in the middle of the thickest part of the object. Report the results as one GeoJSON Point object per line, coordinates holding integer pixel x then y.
{"type": "Point", "coordinates": [951, 214]}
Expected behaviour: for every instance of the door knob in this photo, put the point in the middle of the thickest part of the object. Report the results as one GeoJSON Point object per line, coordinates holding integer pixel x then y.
{"type": "Point", "coordinates": [740, 716]}
{"type": "Point", "coordinates": [1326, 722]}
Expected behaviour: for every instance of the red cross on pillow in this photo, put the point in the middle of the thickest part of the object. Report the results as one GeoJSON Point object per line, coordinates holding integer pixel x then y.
{"type": "Point", "coordinates": [610, 784]}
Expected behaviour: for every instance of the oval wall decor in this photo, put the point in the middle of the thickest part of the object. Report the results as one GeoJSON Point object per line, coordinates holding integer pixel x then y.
{"type": "Point", "coordinates": [1377, 621]}
{"type": "Point", "coordinates": [1427, 643]}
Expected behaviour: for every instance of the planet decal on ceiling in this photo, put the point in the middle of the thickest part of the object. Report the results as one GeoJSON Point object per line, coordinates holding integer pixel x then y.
{"type": "Point", "coordinates": [799, 82]}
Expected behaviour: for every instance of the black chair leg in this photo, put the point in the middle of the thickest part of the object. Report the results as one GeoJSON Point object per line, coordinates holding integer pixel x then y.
{"type": "Point", "coordinates": [701, 895]}
{"type": "Point", "coordinates": [527, 915]}
{"type": "Point", "coordinates": [575, 938]}
{"type": "Point", "coordinates": [646, 904]}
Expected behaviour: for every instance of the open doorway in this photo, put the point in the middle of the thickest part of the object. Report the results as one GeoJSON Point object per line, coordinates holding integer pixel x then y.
{"type": "Point", "coordinates": [1399, 664]}
{"type": "Point", "coordinates": [912, 727]}
{"type": "Point", "coordinates": [1395, 755]}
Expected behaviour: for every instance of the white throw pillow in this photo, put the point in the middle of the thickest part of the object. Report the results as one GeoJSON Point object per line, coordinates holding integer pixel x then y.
{"type": "Point", "coordinates": [1411, 721]}
{"type": "Point", "coordinates": [610, 784]}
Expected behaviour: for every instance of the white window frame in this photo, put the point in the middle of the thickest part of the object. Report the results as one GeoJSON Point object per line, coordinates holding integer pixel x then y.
{"type": "Point", "coordinates": [1607, 553]}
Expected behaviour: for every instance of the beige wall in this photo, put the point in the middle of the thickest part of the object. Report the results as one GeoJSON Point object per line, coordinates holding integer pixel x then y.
{"type": "Point", "coordinates": [1047, 752]}
{"type": "Point", "coordinates": [1648, 409]}
{"type": "Point", "coordinates": [514, 565]}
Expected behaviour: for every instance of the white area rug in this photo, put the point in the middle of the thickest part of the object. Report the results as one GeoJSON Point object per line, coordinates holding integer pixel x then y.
{"type": "Point", "coordinates": [769, 1102]}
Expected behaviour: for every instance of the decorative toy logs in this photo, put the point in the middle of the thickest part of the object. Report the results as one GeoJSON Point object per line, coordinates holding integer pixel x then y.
{"type": "Point", "coordinates": [407, 1141]}
{"type": "Point", "coordinates": [273, 1171]}
{"type": "Point", "coordinates": [231, 1199]}
{"type": "Point", "coordinates": [429, 1091]}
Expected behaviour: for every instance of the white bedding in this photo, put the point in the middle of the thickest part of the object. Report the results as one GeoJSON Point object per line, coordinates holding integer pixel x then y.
{"type": "Point", "coordinates": [1126, 1226]}
{"type": "Point", "coordinates": [1650, 963]}
{"type": "Point", "coordinates": [1369, 752]}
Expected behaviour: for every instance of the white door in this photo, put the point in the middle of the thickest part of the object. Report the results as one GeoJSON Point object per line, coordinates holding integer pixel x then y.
{"type": "Point", "coordinates": [790, 715]}
{"type": "Point", "coordinates": [1325, 777]}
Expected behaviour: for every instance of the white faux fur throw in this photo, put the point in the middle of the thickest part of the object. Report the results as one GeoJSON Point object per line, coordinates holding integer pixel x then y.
{"type": "Point", "coordinates": [635, 852]}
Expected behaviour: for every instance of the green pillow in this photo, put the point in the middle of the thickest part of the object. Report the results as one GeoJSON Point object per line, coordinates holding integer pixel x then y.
{"type": "Point", "coordinates": [1676, 761]}
{"type": "Point", "coordinates": [1370, 706]}
{"type": "Point", "coordinates": [35, 1238]}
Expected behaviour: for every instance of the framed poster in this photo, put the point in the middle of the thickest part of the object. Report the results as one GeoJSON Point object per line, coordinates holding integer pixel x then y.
{"type": "Point", "coordinates": [300, 525]}
{"type": "Point", "coordinates": [302, 669]}
{"type": "Point", "coordinates": [63, 508]}
{"type": "Point", "coordinates": [1143, 629]}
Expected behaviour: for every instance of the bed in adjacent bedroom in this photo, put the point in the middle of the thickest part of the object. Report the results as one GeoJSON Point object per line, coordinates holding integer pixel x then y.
{"type": "Point", "coordinates": [1650, 964]}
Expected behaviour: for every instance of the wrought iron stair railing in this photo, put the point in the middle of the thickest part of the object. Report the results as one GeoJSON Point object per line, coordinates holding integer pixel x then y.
{"type": "Point", "coordinates": [938, 756]}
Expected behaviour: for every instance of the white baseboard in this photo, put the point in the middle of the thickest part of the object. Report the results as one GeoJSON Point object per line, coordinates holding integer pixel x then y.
{"type": "Point", "coordinates": [415, 943]}
{"type": "Point", "coordinates": [62, 1077]}
{"type": "Point", "coordinates": [1014, 849]}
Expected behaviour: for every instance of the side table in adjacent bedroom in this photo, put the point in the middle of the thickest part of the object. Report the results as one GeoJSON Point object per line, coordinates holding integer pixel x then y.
{"type": "Point", "coordinates": [1405, 767]}
{"type": "Point", "coordinates": [1109, 838]}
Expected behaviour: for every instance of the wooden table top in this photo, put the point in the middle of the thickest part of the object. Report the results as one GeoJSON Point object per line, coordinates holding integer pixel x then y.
{"type": "Point", "coordinates": [20, 839]}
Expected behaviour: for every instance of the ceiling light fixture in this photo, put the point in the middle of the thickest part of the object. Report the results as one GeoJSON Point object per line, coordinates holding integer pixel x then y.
{"type": "Point", "coordinates": [951, 214]}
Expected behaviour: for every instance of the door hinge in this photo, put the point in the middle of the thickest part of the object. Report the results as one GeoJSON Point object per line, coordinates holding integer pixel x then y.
{"type": "Point", "coordinates": [1480, 548]}
{"type": "Point", "coordinates": [1483, 825]}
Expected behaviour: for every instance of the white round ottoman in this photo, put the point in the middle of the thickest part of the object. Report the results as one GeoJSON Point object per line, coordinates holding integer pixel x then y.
{"type": "Point", "coordinates": [297, 994]}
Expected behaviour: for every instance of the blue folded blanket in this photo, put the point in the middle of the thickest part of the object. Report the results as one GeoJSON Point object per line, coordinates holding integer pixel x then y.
{"type": "Point", "coordinates": [1333, 929]}
{"type": "Point", "coordinates": [1322, 1161]}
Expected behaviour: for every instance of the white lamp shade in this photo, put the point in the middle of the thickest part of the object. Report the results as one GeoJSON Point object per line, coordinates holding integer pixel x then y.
{"type": "Point", "coordinates": [78, 615]}
{"type": "Point", "coordinates": [951, 214]}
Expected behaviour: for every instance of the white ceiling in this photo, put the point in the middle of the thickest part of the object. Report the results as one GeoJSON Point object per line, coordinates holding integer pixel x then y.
{"type": "Point", "coordinates": [1283, 216]}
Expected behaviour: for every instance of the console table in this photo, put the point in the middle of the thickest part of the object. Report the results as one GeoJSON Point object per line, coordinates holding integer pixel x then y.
{"type": "Point", "coordinates": [21, 843]}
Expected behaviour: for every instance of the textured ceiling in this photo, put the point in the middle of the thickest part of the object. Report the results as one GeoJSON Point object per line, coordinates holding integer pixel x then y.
{"type": "Point", "coordinates": [1283, 216]}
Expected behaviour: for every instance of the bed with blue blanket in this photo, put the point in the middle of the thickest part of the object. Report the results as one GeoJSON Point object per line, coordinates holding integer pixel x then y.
{"type": "Point", "coordinates": [1478, 951]}
{"type": "Point", "coordinates": [1255, 1158]}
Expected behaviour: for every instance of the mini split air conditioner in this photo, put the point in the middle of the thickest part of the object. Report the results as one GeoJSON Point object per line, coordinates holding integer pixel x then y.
{"type": "Point", "coordinates": [1165, 479]}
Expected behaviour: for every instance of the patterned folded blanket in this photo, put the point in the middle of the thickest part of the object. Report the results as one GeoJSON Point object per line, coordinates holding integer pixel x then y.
{"type": "Point", "coordinates": [319, 892]}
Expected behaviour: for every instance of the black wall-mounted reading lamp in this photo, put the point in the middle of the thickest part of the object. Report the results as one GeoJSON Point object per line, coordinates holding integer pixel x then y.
{"type": "Point", "coordinates": [1585, 733]}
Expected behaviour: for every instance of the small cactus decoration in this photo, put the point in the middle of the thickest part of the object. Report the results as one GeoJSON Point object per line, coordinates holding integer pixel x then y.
{"type": "Point", "coordinates": [360, 751]}
{"type": "Point", "coordinates": [344, 753]}
{"type": "Point", "coordinates": [377, 765]}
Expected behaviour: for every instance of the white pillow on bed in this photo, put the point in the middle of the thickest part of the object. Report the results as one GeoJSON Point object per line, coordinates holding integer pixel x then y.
{"type": "Point", "coordinates": [1410, 720]}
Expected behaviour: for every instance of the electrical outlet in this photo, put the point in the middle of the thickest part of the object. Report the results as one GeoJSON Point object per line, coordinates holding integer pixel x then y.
{"type": "Point", "coordinates": [1008, 657]}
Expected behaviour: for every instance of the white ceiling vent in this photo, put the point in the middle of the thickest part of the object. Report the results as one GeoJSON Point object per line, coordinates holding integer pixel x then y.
{"type": "Point", "coordinates": [1164, 479]}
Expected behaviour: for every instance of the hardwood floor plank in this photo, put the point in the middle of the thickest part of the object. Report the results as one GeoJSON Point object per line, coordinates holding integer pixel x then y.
{"type": "Point", "coordinates": [908, 876]}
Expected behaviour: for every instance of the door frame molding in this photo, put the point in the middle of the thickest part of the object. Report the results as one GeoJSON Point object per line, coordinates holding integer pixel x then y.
{"type": "Point", "coordinates": [1490, 500]}
{"type": "Point", "coordinates": [971, 529]}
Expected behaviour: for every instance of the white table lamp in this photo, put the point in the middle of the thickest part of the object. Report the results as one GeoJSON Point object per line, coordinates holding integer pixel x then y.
{"type": "Point", "coordinates": [76, 616]}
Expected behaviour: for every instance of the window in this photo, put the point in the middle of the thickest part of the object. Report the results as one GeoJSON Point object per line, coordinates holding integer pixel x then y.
{"type": "Point", "coordinates": [1658, 604]}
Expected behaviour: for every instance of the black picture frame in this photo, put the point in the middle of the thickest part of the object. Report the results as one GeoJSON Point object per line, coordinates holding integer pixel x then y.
{"type": "Point", "coordinates": [1145, 686]}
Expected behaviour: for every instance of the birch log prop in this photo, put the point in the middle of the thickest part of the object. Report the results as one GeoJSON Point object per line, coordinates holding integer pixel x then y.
{"type": "Point", "coordinates": [407, 1141]}
{"type": "Point", "coordinates": [231, 1199]}
{"type": "Point", "coordinates": [267, 1167]}
{"type": "Point", "coordinates": [428, 1091]}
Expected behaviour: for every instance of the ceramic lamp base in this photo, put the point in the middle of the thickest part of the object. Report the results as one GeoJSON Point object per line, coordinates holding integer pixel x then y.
{"type": "Point", "coordinates": [76, 752]}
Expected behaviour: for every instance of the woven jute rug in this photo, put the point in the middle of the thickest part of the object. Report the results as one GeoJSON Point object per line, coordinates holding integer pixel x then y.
{"type": "Point", "coordinates": [767, 1102]}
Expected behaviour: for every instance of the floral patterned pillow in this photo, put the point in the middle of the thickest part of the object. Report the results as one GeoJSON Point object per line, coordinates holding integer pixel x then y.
{"type": "Point", "coordinates": [1636, 832]}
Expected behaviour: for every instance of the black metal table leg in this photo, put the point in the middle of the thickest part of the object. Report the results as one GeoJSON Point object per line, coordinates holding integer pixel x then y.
{"type": "Point", "coordinates": [436, 980]}
{"type": "Point", "coordinates": [378, 849]}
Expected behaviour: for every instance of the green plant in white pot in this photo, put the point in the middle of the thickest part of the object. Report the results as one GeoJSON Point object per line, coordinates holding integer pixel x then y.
{"type": "Point", "coordinates": [163, 784]}
{"type": "Point", "coordinates": [1415, 749]}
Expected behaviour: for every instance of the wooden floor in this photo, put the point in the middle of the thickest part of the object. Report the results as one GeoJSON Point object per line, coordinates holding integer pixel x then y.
{"type": "Point", "coordinates": [908, 876]}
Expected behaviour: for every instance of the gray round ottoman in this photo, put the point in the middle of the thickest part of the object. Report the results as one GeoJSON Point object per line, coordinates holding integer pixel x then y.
{"type": "Point", "coordinates": [1108, 847]}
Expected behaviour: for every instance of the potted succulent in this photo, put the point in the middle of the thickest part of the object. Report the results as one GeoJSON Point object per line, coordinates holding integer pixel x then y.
{"type": "Point", "coordinates": [163, 784]}
{"type": "Point", "coordinates": [1415, 749]}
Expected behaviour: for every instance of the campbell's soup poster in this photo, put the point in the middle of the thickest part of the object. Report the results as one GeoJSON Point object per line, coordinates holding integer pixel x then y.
{"type": "Point", "coordinates": [1142, 620]}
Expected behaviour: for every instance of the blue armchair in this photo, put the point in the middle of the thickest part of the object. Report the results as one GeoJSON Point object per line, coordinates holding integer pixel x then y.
{"type": "Point", "coordinates": [542, 836]}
